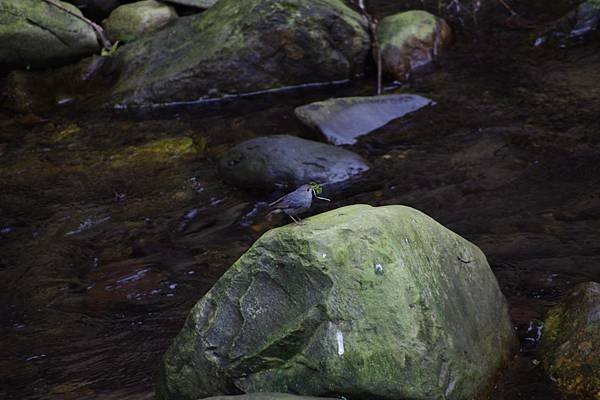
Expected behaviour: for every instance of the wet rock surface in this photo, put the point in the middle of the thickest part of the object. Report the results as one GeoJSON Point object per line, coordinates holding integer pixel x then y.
{"type": "Point", "coordinates": [571, 343]}
{"type": "Point", "coordinates": [243, 47]}
{"type": "Point", "coordinates": [411, 41]}
{"type": "Point", "coordinates": [286, 162]}
{"type": "Point", "coordinates": [343, 120]}
{"type": "Point", "coordinates": [378, 302]}
{"type": "Point", "coordinates": [35, 33]}
{"type": "Point", "coordinates": [132, 21]}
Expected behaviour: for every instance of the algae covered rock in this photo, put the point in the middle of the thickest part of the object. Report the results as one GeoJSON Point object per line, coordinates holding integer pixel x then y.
{"type": "Point", "coordinates": [35, 33]}
{"type": "Point", "coordinates": [283, 161]}
{"type": "Point", "coordinates": [411, 40]}
{"type": "Point", "coordinates": [571, 341]}
{"type": "Point", "coordinates": [241, 47]}
{"type": "Point", "coordinates": [360, 302]}
{"type": "Point", "coordinates": [132, 21]}
{"type": "Point", "coordinates": [342, 120]}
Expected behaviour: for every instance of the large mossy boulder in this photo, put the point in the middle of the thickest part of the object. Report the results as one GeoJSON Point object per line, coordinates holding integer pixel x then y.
{"type": "Point", "coordinates": [240, 47]}
{"type": "Point", "coordinates": [410, 41]}
{"type": "Point", "coordinates": [132, 21]}
{"type": "Point", "coordinates": [571, 341]}
{"type": "Point", "coordinates": [284, 162]}
{"type": "Point", "coordinates": [343, 120]}
{"type": "Point", "coordinates": [37, 34]}
{"type": "Point", "coordinates": [360, 302]}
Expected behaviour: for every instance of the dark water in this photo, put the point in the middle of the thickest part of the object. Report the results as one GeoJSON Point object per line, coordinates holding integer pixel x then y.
{"type": "Point", "coordinates": [106, 244]}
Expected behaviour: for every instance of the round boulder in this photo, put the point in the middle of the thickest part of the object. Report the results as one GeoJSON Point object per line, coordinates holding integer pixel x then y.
{"type": "Point", "coordinates": [37, 34]}
{"type": "Point", "coordinates": [571, 341]}
{"type": "Point", "coordinates": [364, 302]}
{"type": "Point", "coordinates": [283, 161]}
{"type": "Point", "coordinates": [132, 21]}
{"type": "Point", "coordinates": [410, 41]}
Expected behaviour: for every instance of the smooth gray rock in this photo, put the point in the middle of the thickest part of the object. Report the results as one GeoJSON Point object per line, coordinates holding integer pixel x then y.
{"type": "Point", "coordinates": [35, 33]}
{"type": "Point", "coordinates": [134, 20]}
{"type": "Point", "coordinates": [364, 302]}
{"type": "Point", "coordinates": [342, 120]}
{"type": "Point", "coordinates": [283, 161]}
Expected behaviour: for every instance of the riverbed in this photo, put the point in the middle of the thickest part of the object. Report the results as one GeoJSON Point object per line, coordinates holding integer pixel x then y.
{"type": "Point", "coordinates": [108, 236]}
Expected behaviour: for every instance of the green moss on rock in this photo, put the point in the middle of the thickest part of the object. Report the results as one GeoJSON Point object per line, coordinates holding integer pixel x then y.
{"type": "Point", "coordinates": [571, 341]}
{"type": "Point", "coordinates": [360, 301]}
{"type": "Point", "coordinates": [35, 33]}
{"type": "Point", "coordinates": [239, 47]}
{"type": "Point", "coordinates": [411, 40]}
{"type": "Point", "coordinates": [162, 150]}
{"type": "Point", "coordinates": [132, 21]}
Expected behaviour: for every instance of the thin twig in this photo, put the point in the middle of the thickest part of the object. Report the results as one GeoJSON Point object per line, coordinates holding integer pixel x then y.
{"type": "Point", "coordinates": [372, 21]}
{"type": "Point", "coordinates": [100, 34]}
{"type": "Point", "coordinates": [509, 8]}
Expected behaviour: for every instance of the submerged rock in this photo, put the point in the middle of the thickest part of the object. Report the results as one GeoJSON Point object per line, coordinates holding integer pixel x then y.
{"type": "Point", "coordinates": [203, 4]}
{"type": "Point", "coordinates": [132, 21]}
{"type": "Point", "coordinates": [160, 151]}
{"type": "Point", "coordinates": [342, 120]}
{"type": "Point", "coordinates": [35, 33]}
{"type": "Point", "coordinates": [409, 41]}
{"type": "Point", "coordinates": [571, 341]}
{"type": "Point", "coordinates": [283, 161]}
{"type": "Point", "coordinates": [361, 301]}
{"type": "Point", "coordinates": [239, 47]}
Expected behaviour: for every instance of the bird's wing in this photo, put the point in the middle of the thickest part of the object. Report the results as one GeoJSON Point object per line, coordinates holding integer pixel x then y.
{"type": "Point", "coordinates": [288, 201]}
{"type": "Point", "coordinates": [277, 202]}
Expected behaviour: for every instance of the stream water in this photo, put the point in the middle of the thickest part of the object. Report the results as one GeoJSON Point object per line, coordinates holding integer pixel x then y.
{"type": "Point", "coordinates": [105, 245]}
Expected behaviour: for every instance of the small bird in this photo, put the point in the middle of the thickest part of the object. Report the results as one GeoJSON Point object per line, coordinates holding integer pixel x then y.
{"type": "Point", "coordinates": [296, 202]}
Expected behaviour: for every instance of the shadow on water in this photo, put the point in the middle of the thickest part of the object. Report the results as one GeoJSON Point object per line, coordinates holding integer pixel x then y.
{"type": "Point", "coordinates": [113, 225]}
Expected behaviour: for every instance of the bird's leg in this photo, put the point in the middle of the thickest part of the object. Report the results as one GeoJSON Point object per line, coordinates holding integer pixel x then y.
{"type": "Point", "coordinates": [297, 221]}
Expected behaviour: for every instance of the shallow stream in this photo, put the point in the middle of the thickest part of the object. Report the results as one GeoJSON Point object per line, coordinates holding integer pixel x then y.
{"type": "Point", "coordinates": [112, 225]}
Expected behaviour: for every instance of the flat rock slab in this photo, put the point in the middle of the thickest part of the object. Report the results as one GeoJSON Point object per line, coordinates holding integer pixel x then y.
{"type": "Point", "coordinates": [283, 161]}
{"type": "Point", "coordinates": [343, 120]}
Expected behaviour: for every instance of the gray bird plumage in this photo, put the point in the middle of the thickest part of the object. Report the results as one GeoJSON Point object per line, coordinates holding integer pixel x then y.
{"type": "Point", "coordinates": [294, 203]}
{"type": "Point", "coordinates": [297, 202]}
